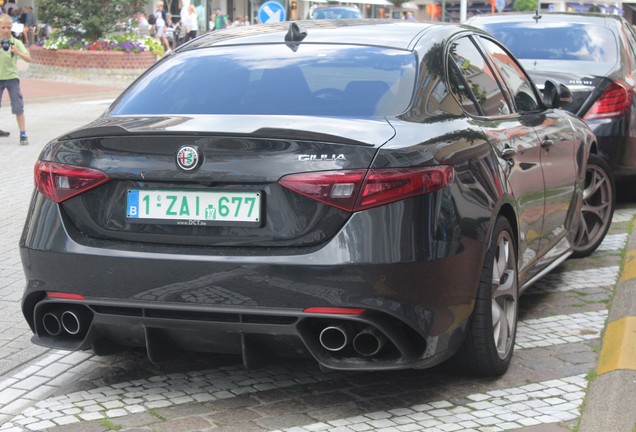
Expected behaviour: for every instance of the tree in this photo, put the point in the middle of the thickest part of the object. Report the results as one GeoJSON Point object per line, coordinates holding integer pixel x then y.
{"type": "Point", "coordinates": [89, 19]}
{"type": "Point", "coordinates": [525, 5]}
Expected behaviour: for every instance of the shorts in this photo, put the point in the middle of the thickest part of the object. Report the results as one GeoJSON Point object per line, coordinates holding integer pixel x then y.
{"type": "Point", "coordinates": [17, 102]}
{"type": "Point", "coordinates": [161, 31]}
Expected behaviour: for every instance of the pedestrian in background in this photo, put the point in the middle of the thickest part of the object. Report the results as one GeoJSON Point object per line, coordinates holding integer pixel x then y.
{"type": "Point", "coordinates": [161, 22]}
{"type": "Point", "coordinates": [30, 26]}
{"type": "Point", "coordinates": [11, 49]}
{"type": "Point", "coordinates": [143, 26]}
{"type": "Point", "coordinates": [191, 23]}
{"type": "Point", "coordinates": [219, 20]}
{"type": "Point", "coordinates": [9, 7]}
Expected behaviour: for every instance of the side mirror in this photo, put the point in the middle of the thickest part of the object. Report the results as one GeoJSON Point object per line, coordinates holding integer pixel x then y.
{"type": "Point", "coordinates": [556, 94]}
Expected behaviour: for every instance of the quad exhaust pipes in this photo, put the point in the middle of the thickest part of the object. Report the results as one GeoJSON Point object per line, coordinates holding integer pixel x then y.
{"type": "Point", "coordinates": [334, 338]}
{"type": "Point", "coordinates": [69, 321]}
{"type": "Point", "coordinates": [367, 343]}
{"type": "Point", "coordinates": [51, 324]}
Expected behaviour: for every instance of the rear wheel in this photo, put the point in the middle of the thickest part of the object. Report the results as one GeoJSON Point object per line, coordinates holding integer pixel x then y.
{"type": "Point", "coordinates": [489, 343]}
{"type": "Point", "coordinates": [599, 198]}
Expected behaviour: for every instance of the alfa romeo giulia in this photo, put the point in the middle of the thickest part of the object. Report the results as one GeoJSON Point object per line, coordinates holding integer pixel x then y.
{"type": "Point", "coordinates": [372, 194]}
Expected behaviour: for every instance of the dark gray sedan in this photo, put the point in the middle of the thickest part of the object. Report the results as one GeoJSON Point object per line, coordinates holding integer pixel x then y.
{"type": "Point", "coordinates": [374, 194]}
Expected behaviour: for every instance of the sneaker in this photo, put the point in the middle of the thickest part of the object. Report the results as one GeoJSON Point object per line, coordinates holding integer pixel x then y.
{"type": "Point", "coordinates": [24, 140]}
{"type": "Point", "coordinates": [4, 134]}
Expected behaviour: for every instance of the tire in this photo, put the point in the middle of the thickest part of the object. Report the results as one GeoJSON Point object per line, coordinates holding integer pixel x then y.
{"type": "Point", "coordinates": [490, 339]}
{"type": "Point", "coordinates": [599, 199]}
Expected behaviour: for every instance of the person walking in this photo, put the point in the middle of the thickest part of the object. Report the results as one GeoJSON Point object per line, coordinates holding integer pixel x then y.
{"type": "Point", "coordinates": [161, 22]}
{"type": "Point", "coordinates": [191, 23]}
{"type": "Point", "coordinates": [219, 19]}
{"type": "Point", "coordinates": [30, 26]}
{"type": "Point", "coordinates": [9, 7]}
{"type": "Point", "coordinates": [10, 50]}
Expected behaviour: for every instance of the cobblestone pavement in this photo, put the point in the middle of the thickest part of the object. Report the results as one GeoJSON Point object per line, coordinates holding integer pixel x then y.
{"type": "Point", "coordinates": [562, 318]}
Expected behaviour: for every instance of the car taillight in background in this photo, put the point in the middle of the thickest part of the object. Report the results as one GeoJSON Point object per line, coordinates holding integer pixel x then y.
{"type": "Point", "coordinates": [355, 190]}
{"type": "Point", "coordinates": [615, 101]}
{"type": "Point", "coordinates": [60, 182]}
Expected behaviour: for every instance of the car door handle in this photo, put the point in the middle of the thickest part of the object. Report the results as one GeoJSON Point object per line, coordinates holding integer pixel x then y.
{"type": "Point", "coordinates": [546, 143]}
{"type": "Point", "coordinates": [507, 153]}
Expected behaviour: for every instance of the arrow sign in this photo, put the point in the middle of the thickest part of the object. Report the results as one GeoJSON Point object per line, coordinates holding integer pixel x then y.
{"type": "Point", "coordinates": [271, 12]}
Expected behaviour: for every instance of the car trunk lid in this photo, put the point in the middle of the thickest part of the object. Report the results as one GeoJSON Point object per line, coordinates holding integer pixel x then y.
{"type": "Point", "coordinates": [140, 154]}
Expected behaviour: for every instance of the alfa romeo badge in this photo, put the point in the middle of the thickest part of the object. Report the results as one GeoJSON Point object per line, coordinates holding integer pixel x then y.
{"type": "Point", "coordinates": [187, 158]}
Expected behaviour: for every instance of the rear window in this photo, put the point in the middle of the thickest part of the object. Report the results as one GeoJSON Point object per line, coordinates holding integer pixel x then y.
{"type": "Point", "coordinates": [557, 41]}
{"type": "Point", "coordinates": [335, 13]}
{"type": "Point", "coordinates": [275, 80]}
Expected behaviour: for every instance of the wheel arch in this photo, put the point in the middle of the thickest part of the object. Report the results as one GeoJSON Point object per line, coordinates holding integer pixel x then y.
{"type": "Point", "coordinates": [506, 210]}
{"type": "Point", "coordinates": [593, 148]}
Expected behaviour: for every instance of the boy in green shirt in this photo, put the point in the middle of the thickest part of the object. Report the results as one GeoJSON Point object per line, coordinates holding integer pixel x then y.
{"type": "Point", "coordinates": [10, 49]}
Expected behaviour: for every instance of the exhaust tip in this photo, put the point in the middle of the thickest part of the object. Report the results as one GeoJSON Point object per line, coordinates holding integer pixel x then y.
{"type": "Point", "coordinates": [369, 342]}
{"type": "Point", "coordinates": [51, 324]}
{"type": "Point", "coordinates": [71, 322]}
{"type": "Point", "coordinates": [334, 338]}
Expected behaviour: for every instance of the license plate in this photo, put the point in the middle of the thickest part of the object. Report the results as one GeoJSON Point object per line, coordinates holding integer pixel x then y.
{"type": "Point", "coordinates": [193, 207]}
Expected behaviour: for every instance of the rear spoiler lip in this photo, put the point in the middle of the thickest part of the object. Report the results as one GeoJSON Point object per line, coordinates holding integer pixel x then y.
{"type": "Point", "coordinates": [361, 131]}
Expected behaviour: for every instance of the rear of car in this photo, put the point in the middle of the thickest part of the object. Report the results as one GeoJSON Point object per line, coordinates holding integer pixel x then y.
{"type": "Point", "coordinates": [594, 56]}
{"type": "Point", "coordinates": [234, 200]}
{"type": "Point", "coordinates": [335, 12]}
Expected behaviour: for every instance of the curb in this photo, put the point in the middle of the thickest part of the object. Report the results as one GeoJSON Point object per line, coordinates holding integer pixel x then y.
{"type": "Point", "coordinates": [611, 397]}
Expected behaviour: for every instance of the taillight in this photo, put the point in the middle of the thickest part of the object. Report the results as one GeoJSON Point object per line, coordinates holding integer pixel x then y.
{"type": "Point", "coordinates": [615, 101]}
{"type": "Point", "coordinates": [60, 182]}
{"type": "Point", "coordinates": [355, 190]}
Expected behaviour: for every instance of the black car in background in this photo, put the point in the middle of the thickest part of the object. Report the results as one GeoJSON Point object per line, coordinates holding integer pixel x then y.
{"type": "Point", "coordinates": [371, 202]}
{"type": "Point", "coordinates": [595, 56]}
{"type": "Point", "coordinates": [335, 12]}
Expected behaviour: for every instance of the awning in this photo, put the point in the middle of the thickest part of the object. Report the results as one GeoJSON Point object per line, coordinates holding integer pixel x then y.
{"type": "Point", "coordinates": [373, 2]}
{"type": "Point", "coordinates": [409, 5]}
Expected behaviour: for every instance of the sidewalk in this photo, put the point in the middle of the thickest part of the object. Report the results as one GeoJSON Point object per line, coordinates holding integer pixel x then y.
{"type": "Point", "coordinates": [611, 396]}
{"type": "Point", "coordinates": [42, 90]}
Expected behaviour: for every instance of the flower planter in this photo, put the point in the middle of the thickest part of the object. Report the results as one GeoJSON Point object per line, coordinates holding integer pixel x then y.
{"type": "Point", "coordinates": [103, 67]}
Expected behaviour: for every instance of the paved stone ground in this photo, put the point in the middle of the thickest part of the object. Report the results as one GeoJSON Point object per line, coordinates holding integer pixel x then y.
{"type": "Point", "coordinates": [562, 318]}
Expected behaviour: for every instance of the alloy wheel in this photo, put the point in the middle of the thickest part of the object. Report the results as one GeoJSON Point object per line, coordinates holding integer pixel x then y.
{"type": "Point", "coordinates": [504, 295]}
{"type": "Point", "coordinates": [597, 209]}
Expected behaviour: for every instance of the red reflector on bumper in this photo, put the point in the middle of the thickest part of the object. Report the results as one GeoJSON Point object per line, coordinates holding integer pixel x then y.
{"type": "Point", "coordinates": [335, 311]}
{"type": "Point", "coordinates": [65, 296]}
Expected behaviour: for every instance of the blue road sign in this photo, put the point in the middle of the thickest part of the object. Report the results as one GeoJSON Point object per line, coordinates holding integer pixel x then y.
{"type": "Point", "coordinates": [500, 5]}
{"type": "Point", "coordinates": [271, 12]}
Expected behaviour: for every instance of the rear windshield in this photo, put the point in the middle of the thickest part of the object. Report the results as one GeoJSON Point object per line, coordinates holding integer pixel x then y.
{"type": "Point", "coordinates": [335, 13]}
{"type": "Point", "coordinates": [273, 79]}
{"type": "Point", "coordinates": [557, 41]}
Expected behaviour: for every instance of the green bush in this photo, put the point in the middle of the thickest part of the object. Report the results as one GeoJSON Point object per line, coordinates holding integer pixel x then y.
{"type": "Point", "coordinates": [525, 5]}
{"type": "Point", "coordinates": [89, 19]}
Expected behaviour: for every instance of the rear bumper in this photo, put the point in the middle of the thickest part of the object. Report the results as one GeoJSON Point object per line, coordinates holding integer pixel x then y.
{"type": "Point", "coordinates": [256, 335]}
{"type": "Point", "coordinates": [417, 291]}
